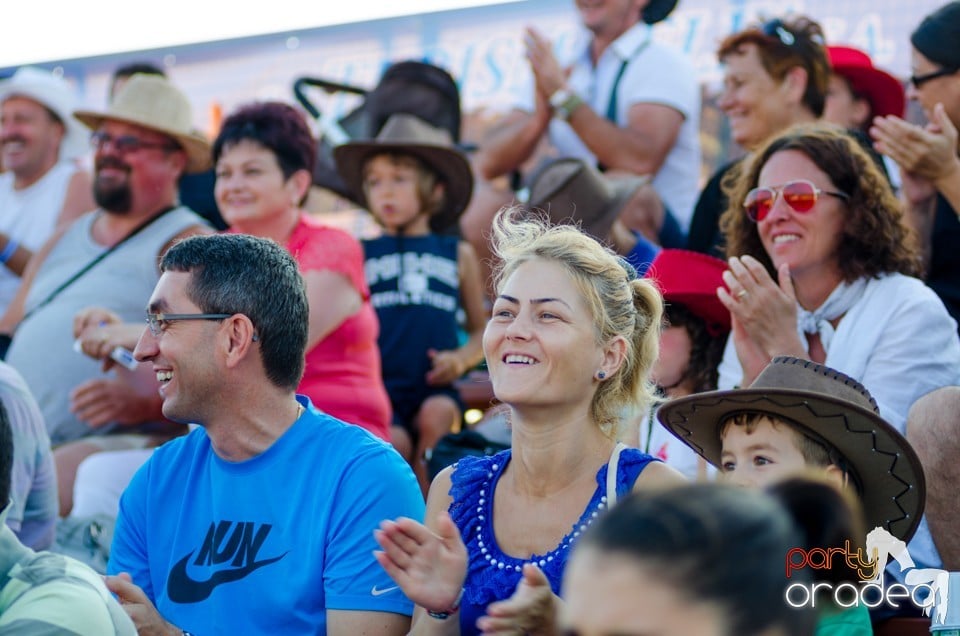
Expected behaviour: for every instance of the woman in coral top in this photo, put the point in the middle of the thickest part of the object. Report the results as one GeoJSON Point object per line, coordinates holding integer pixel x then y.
{"type": "Point", "coordinates": [264, 158]}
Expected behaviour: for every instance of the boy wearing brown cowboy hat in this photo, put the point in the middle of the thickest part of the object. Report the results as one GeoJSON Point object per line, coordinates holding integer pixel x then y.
{"type": "Point", "coordinates": [811, 415]}
{"type": "Point", "coordinates": [416, 184]}
{"type": "Point", "coordinates": [799, 415]}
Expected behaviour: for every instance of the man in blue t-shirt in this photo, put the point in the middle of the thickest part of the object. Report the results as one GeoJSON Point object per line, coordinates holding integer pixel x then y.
{"type": "Point", "coordinates": [260, 521]}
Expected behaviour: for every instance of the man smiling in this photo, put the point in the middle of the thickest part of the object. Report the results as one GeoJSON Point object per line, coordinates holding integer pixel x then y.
{"type": "Point", "coordinates": [266, 518]}
{"type": "Point", "coordinates": [142, 145]}
{"type": "Point", "coordinates": [42, 186]}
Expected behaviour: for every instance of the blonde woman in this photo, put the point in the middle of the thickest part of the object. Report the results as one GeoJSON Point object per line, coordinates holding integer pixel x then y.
{"type": "Point", "coordinates": [572, 338]}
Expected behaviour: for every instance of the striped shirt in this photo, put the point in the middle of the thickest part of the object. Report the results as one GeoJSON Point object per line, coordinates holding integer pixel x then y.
{"type": "Point", "coordinates": [47, 593]}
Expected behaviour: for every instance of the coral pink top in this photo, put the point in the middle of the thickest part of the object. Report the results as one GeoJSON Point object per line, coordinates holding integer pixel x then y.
{"type": "Point", "coordinates": [342, 375]}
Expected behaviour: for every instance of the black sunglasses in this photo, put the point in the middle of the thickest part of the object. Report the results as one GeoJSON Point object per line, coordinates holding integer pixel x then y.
{"type": "Point", "coordinates": [920, 80]}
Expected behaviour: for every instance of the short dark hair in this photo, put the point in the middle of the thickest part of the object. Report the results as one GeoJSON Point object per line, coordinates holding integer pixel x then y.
{"type": "Point", "coordinates": [816, 452]}
{"type": "Point", "coordinates": [6, 456]}
{"type": "Point", "coordinates": [876, 238]}
{"type": "Point", "coordinates": [806, 49]}
{"type": "Point", "coordinates": [715, 543]}
{"type": "Point", "coordinates": [256, 277]}
{"type": "Point", "coordinates": [276, 126]}
{"type": "Point", "coordinates": [133, 68]}
{"type": "Point", "coordinates": [127, 71]}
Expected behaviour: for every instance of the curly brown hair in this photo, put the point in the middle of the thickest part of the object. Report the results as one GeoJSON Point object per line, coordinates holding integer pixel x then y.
{"type": "Point", "coordinates": [876, 238]}
{"type": "Point", "coordinates": [787, 43]}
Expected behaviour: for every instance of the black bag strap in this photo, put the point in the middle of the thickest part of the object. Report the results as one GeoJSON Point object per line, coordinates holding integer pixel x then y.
{"type": "Point", "coordinates": [99, 257]}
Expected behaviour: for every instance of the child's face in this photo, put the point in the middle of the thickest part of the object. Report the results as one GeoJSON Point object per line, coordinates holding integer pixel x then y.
{"type": "Point", "coordinates": [762, 457]}
{"type": "Point", "coordinates": [392, 196]}
{"type": "Point", "coordinates": [672, 365]}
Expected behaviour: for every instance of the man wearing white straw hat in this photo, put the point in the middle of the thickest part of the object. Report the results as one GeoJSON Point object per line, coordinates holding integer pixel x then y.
{"type": "Point", "coordinates": [43, 185]}
{"type": "Point", "coordinates": [107, 258]}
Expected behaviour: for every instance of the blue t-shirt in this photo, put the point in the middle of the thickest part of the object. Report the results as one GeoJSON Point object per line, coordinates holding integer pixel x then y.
{"type": "Point", "coordinates": [267, 545]}
{"type": "Point", "coordinates": [491, 574]}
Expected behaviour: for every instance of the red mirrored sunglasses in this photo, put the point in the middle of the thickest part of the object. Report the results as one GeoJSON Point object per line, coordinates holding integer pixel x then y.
{"type": "Point", "coordinates": [801, 195]}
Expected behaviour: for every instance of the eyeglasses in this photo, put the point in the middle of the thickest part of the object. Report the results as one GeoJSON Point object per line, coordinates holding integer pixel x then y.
{"type": "Point", "coordinates": [920, 80]}
{"type": "Point", "coordinates": [801, 195]}
{"type": "Point", "coordinates": [126, 144]}
{"type": "Point", "coordinates": [158, 322]}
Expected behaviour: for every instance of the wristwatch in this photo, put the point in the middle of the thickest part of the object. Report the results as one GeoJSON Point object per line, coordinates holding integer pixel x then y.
{"type": "Point", "coordinates": [564, 102]}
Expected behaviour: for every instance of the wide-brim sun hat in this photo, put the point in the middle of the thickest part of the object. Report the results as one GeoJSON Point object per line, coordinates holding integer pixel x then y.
{"type": "Point", "coordinates": [830, 407]}
{"type": "Point", "coordinates": [657, 10]}
{"type": "Point", "coordinates": [884, 91]}
{"type": "Point", "coordinates": [153, 102]}
{"type": "Point", "coordinates": [691, 279]}
{"type": "Point", "coordinates": [572, 192]}
{"type": "Point", "coordinates": [56, 94]}
{"type": "Point", "coordinates": [410, 135]}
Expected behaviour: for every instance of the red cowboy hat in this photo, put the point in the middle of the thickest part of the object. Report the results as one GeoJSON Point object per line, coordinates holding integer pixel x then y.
{"type": "Point", "coordinates": [691, 279]}
{"type": "Point", "coordinates": [884, 91]}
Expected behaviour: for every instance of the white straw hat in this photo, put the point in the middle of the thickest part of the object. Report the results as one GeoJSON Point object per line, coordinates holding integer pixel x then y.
{"type": "Point", "coordinates": [153, 102]}
{"type": "Point", "coordinates": [55, 94]}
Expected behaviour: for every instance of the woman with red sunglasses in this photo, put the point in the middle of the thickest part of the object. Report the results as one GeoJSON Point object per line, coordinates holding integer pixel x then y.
{"type": "Point", "coordinates": [823, 266]}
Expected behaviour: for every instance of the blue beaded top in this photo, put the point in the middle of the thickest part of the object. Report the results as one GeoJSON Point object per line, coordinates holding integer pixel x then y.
{"type": "Point", "coordinates": [491, 574]}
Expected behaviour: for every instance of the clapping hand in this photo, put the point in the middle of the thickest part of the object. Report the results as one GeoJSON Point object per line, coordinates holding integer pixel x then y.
{"type": "Point", "coordinates": [763, 313]}
{"type": "Point", "coordinates": [532, 609]}
{"type": "Point", "coordinates": [429, 567]}
{"type": "Point", "coordinates": [547, 72]}
{"type": "Point", "coordinates": [928, 152]}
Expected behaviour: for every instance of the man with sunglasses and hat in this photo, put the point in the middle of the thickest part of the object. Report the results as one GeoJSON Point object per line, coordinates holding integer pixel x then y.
{"type": "Point", "coordinates": [107, 257]}
{"type": "Point", "coordinates": [623, 102]}
{"type": "Point", "coordinates": [928, 155]}
{"type": "Point", "coordinates": [42, 186]}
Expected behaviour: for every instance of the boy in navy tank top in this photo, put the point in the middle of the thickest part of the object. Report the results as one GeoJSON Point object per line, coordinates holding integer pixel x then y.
{"type": "Point", "coordinates": [416, 184]}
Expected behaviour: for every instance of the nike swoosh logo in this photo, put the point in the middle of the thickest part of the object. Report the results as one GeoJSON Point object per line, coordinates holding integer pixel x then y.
{"type": "Point", "coordinates": [378, 592]}
{"type": "Point", "coordinates": [182, 589]}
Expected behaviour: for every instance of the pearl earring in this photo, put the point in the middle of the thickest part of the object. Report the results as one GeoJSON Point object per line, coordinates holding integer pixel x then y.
{"type": "Point", "coordinates": [601, 375]}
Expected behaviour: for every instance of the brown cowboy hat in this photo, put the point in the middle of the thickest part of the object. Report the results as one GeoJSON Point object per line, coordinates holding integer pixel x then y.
{"type": "Point", "coordinates": [153, 102]}
{"type": "Point", "coordinates": [882, 90]}
{"type": "Point", "coordinates": [830, 407]}
{"type": "Point", "coordinates": [571, 191]}
{"type": "Point", "coordinates": [657, 10]}
{"type": "Point", "coordinates": [411, 135]}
